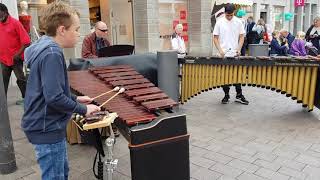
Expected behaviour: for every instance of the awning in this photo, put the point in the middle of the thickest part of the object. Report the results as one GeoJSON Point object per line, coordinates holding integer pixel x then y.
{"type": "Point", "coordinates": [238, 2]}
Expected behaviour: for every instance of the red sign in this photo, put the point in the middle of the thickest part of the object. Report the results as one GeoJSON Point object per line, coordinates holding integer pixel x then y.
{"type": "Point", "coordinates": [298, 3]}
{"type": "Point", "coordinates": [174, 23]}
{"type": "Point", "coordinates": [185, 38]}
{"type": "Point", "coordinates": [183, 14]}
{"type": "Point", "coordinates": [185, 26]}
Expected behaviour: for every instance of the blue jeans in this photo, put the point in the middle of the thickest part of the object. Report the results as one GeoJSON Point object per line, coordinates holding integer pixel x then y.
{"type": "Point", "coordinates": [53, 160]}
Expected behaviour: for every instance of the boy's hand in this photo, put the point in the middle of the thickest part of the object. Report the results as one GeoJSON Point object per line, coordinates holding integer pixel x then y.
{"type": "Point", "coordinates": [91, 108]}
{"type": "Point", "coordinates": [84, 99]}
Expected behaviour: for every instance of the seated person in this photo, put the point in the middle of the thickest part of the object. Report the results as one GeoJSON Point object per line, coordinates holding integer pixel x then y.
{"type": "Point", "coordinates": [276, 48]}
{"type": "Point", "coordinates": [298, 45]}
{"type": "Point", "coordinates": [177, 42]}
{"type": "Point", "coordinates": [95, 41]}
{"type": "Point", "coordinates": [286, 37]}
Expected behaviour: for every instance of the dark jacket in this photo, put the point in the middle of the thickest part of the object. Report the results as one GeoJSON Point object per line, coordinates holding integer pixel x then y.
{"type": "Point", "coordinates": [250, 35]}
{"type": "Point", "coordinates": [314, 40]}
{"type": "Point", "coordinates": [48, 104]}
{"type": "Point", "coordinates": [290, 39]}
{"type": "Point", "coordinates": [89, 49]}
{"type": "Point", "coordinates": [277, 49]}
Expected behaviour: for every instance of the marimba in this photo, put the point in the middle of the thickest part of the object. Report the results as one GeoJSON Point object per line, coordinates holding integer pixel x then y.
{"type": "Point", "coordinates": [296, 77]}
{"type": "Point", "coordinates": [158, 138]}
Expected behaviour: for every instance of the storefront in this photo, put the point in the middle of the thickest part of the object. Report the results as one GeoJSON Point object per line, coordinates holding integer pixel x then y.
{"type": "Point", "coordinates": [171, 13]}
{"type": "Point", "coordinates": [118, 16]}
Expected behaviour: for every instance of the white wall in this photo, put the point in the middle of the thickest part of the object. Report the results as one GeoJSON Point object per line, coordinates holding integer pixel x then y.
{"type": "Point", "coordinates": [12, 7]}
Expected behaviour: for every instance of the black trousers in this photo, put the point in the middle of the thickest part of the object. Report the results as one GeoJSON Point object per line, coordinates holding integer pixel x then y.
{"type": "Point", "coordinates": [17, 68]}
{"type": "Point", "coordinates": [226, 89]}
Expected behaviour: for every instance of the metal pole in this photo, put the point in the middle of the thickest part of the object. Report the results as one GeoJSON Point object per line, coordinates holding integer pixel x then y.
{"type": "Point", "coordinates": [168, 73]}
{"type": "Point", "coordinates": [7, 156]}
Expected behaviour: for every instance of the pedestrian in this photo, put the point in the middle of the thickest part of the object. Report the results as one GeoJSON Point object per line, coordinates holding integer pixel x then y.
{"type": "Point", "coordinates": [14, 39]}
{"type": "Point", "coordinates": [228, 37]}
{"type": "Point", "coordinates": [177, 42]}
{"type": "Point", "coordinates": [48, 103]}
{"type": "Point", "coordinates": [313, 34]}
{"type": "Point", "coordinates": [261, 29]}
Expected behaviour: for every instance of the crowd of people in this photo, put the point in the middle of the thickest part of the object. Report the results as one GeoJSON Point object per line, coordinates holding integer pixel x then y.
{"type": "Point", "coordinates": [283, 43]}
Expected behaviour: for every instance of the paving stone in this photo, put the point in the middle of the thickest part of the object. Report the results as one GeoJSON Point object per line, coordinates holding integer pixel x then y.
{"type": "Point", "coordinates": [312, 172]}
{"type": "Point", "coordinates": [283, 152]}
{"type": "Point", "coordinates": [260, 147]}
{"type": "Point", "coordinates": [196, 151]}
{"type": "Point", "coordinates": [217, 157]}
{"type": "Point", "coordinates": [269, 174]}
{"type": "Point", "coordinates": [290, 163]}
{"type": "Point", "coordinates": [203, 162]}
{"type": "Point", "coordinates": [206, 174]}
{"type": "Point", "coordinates": [268, 165]}
{"type": "Point", "coordinates": [225, 177]}
{"type": "Point", "coordinates": [237, 155]}
{"type": "Point", "coordinates": [226, 170]}
{"type": "Point", "coordinates": [247, 167]}
{"type": "Point", "coordinates": [239, 140]}
{"type": "Point", "coordinates": [315, 147]}
{"type": "Point", "coordinates": [249, 176]}
{"type": "Point", "coordinates": [292, 172]}
{"type": "Point", "coordinates": [265, 156]}
{"type": "Point", "coordinates": [244, 150]}
{"type": "Point", "coordinates": [217, 145]}
{"type": "Point", "coordinates": [308, 160]}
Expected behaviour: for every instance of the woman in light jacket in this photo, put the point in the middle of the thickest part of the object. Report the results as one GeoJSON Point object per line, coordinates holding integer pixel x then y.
{"type": "Point", "coordinates": [177, 42]}
{"type": "Point", "coordinates": [260, 28]}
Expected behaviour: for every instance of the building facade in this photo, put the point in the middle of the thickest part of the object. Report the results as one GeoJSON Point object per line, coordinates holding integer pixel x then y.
{"type": "Point", "coordinates": [148, 24]}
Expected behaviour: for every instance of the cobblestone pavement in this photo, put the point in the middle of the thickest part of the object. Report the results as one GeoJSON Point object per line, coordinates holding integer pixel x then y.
{"type": "Point", "coordinates": [271, 138]}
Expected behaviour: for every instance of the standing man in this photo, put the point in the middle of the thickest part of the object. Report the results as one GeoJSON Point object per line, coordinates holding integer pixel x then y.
{"type": "Point", "coordinates": [95, 41]}
{"type": "Point", "coordinates": [13, 40]}
{"type": "Point", "coordinates": [228, 38]}
{"type": "Point", "coordinates": [250, 35]}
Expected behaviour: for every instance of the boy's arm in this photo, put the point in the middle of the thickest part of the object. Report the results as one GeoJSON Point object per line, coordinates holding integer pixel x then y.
{"type": "Point", "coordinates": [53, 81]}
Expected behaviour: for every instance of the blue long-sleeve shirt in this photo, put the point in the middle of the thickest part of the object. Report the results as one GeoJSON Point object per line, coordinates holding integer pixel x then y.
{"type": "Point", "coordinates": [276, 48]}
{"type": "Point", "coordinates": [48, 101]}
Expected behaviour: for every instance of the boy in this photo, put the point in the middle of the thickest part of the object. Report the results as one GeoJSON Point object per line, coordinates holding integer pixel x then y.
{"type": "Point", "coordinates": [48, 102]}
{"type": "Point", "coordinates": [228, 37]}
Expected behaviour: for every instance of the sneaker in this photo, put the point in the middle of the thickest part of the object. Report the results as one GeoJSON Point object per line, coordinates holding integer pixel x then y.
{"type": "Point", "coordinates": [241, 99]}
{"type": "Point", "coordinates": [225, 100]}
{"type": "Point", "coordinates": [19, 102]}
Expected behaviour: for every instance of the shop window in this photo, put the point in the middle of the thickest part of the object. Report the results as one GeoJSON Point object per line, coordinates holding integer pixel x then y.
{"type": "Point", "coordinates": [172, 12]}
{"type": "Point", "coordinates": [277, 17]}
{"type": "Point", "coordinates": [94, 11]}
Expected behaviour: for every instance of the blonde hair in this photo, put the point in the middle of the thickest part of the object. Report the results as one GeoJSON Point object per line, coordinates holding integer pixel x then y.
{"type": "Point", "coordinates": [301, 35]}
{"type": "Point", "coordinates": [274, 33]}
{"type": "Point", "coordinates": [56, 14]}
{"type": "Point", "coordinates": [180, 26]}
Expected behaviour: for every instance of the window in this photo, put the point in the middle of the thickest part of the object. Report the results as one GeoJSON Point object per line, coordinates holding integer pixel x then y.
{"type": "Point", "coordinates": [172, 12]}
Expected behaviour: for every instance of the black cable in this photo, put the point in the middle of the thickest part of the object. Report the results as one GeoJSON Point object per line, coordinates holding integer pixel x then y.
{"type": "Point", "coordinates": [99, 174]}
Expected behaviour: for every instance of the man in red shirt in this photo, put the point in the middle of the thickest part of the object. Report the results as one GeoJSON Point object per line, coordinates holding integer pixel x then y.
{"type": "Point", "coordinates": [13, 40]}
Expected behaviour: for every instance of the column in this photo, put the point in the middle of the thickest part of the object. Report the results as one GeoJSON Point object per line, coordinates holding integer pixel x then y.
{"type": "Point", "coordinates": [146, 25]}
{"type": "Point", "coordinates": [12, 7]}
{"type": "Point", "coordinates": [34, 9]}
{"type": "Point", "coordinates": [200, 36]}
{"type": "Point", "coordinates": [307, 13]}
{"type": "Point", "coordinates": [83, 8]}
{"type": "Point", "coordinates": [300, 19]}
{"type": "Point", "coordinates": [256, 11]}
